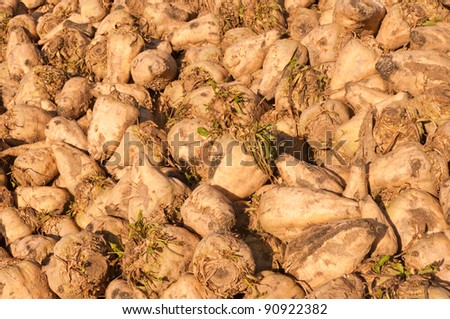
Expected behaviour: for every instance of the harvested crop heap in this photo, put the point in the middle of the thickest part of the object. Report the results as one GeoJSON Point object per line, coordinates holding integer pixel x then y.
{"type": "Point", "coordinates": [224, 149]}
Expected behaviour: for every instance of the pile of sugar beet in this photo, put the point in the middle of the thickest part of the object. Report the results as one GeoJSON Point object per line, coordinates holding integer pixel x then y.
{"type": "Point", "coordinates": [224, 149]}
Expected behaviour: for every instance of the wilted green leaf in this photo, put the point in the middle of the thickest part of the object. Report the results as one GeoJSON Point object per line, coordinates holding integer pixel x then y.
{"type": "Point", "coordinates": [380, 263]}
{"type": "Point", "coordinates": [203, 132]}
{"type": "Point", "coordinates": [429, 23]}
{"type": "Point", "coordinates": [116, 250]}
